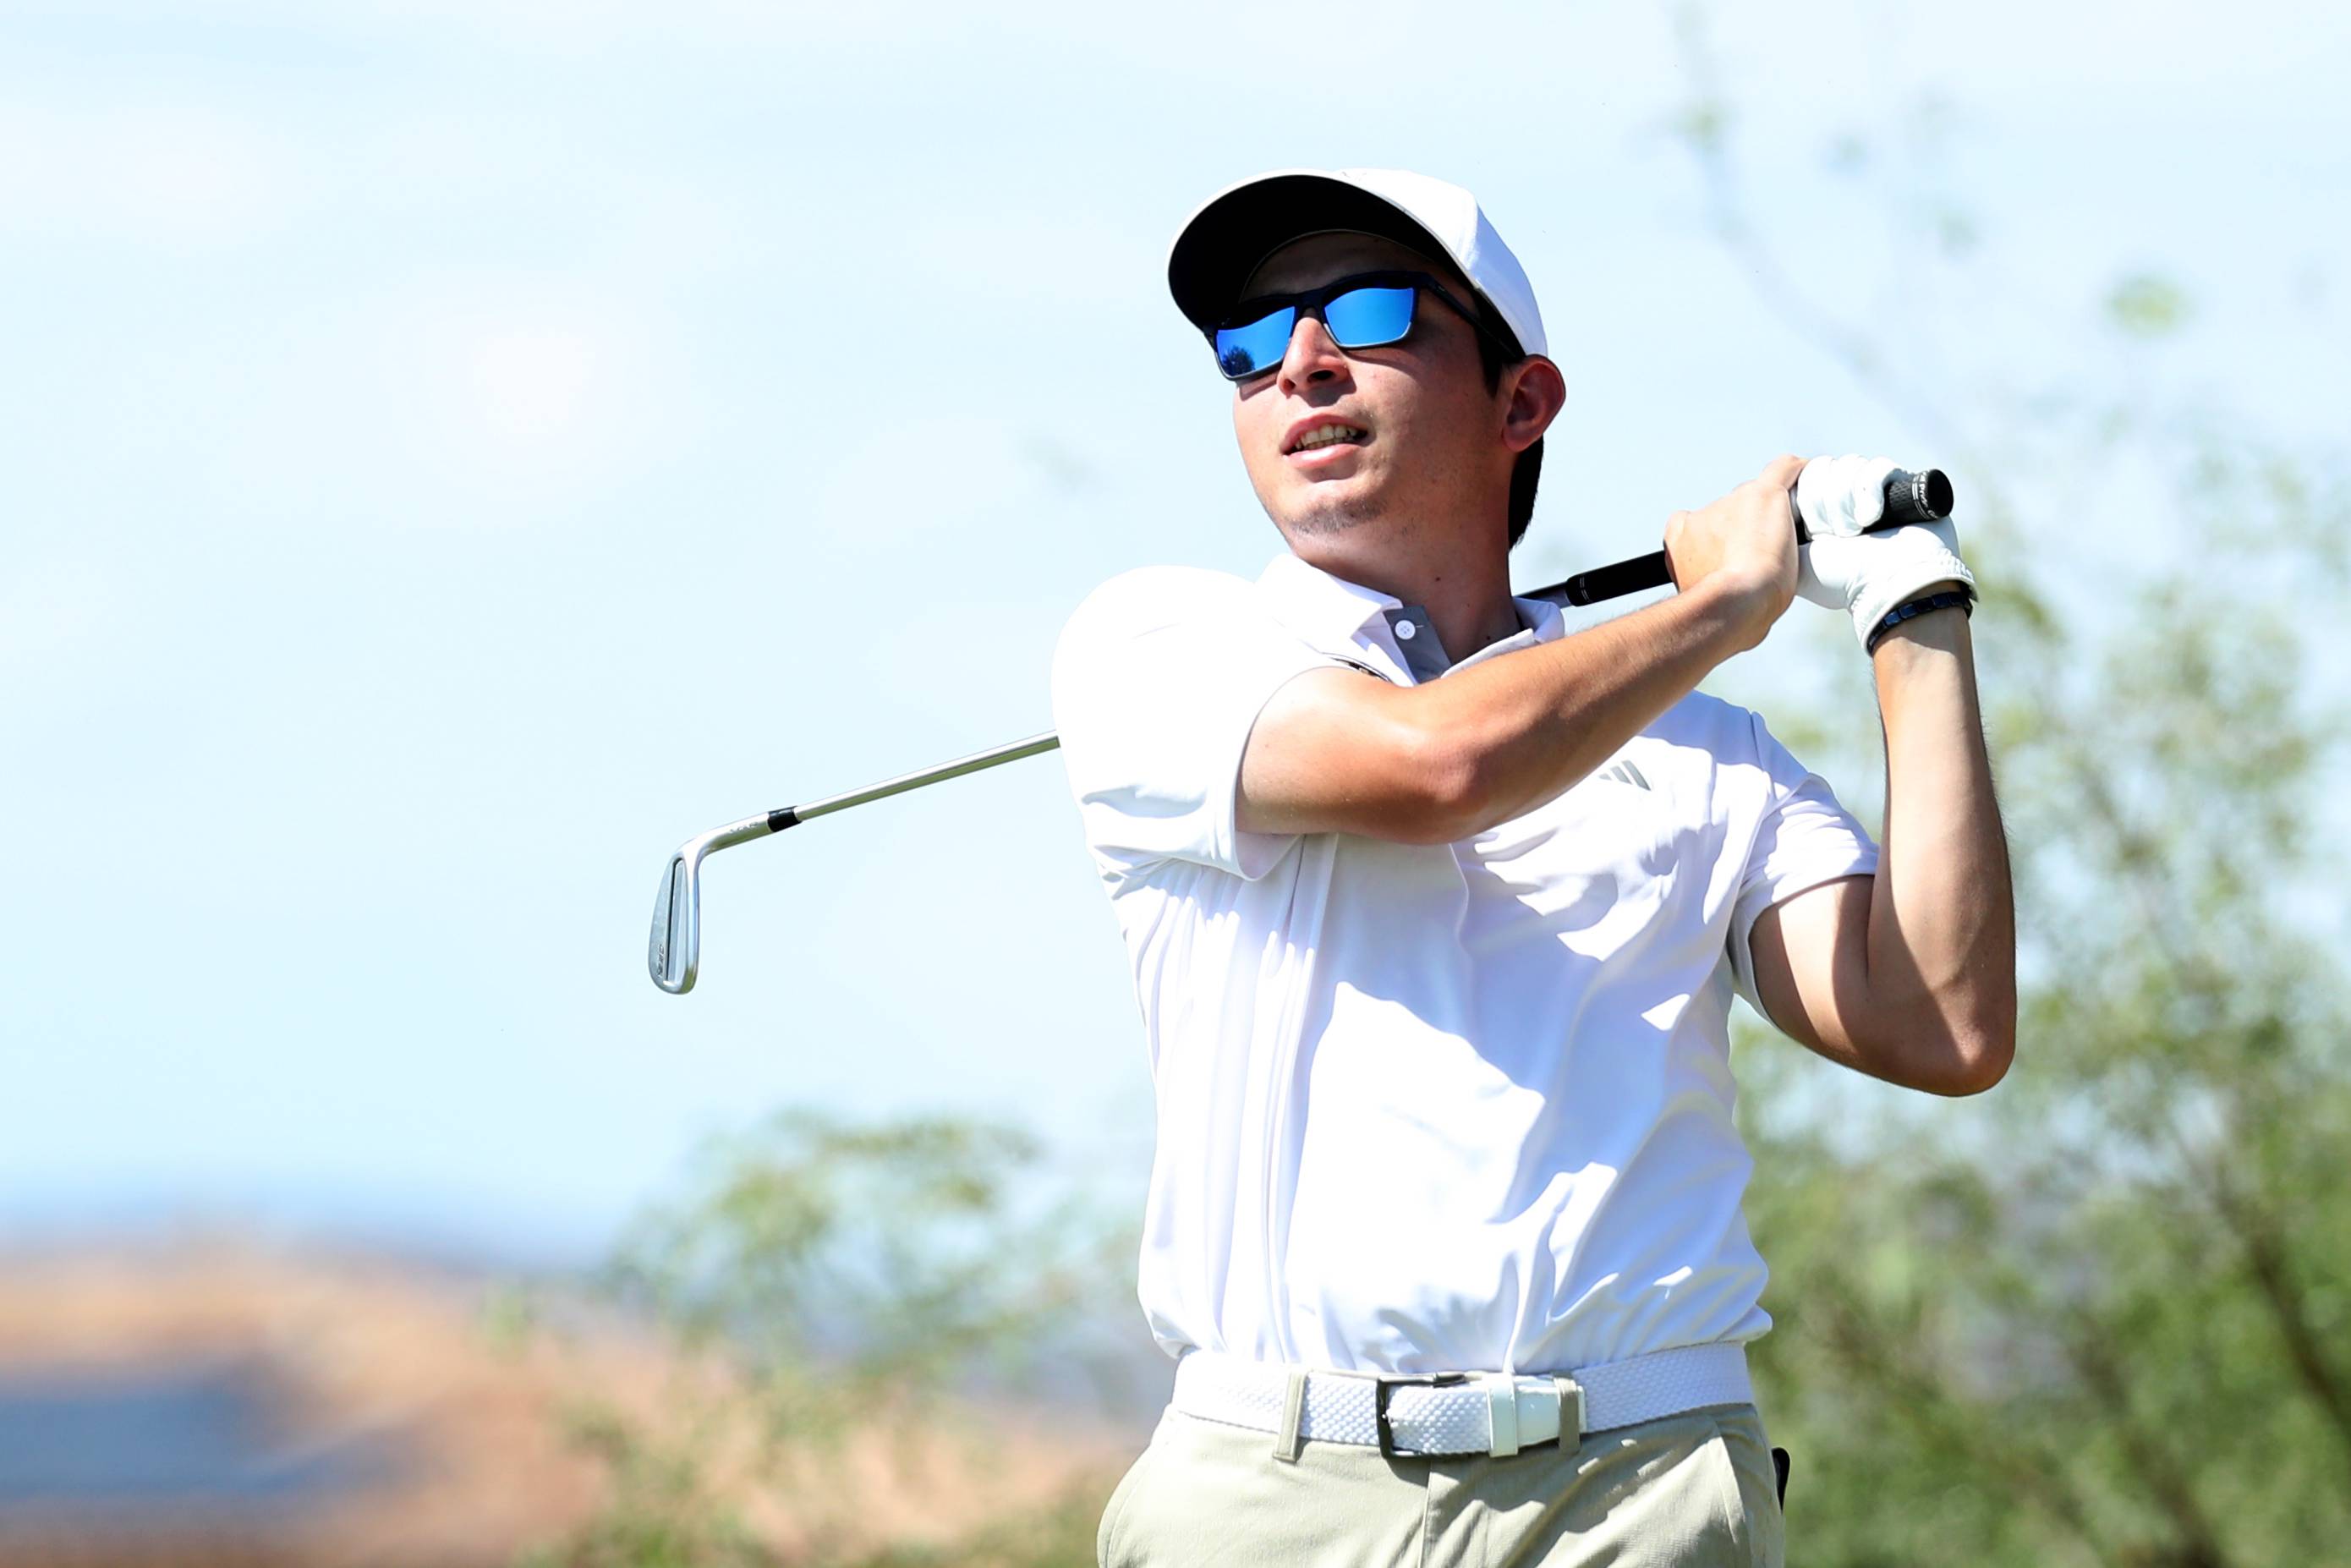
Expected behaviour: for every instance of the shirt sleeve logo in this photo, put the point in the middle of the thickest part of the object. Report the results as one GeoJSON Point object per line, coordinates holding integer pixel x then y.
{"type": "Point", "coordinates": [1624, 772]}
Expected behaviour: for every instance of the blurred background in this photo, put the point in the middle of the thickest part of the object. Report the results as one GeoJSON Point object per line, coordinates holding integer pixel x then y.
{"type": "Point", "coordinates": [454, 453]}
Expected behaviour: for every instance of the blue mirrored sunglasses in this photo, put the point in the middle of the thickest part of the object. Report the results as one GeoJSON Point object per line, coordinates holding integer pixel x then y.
{"type": "Point", "coordinates": [1361, 311]}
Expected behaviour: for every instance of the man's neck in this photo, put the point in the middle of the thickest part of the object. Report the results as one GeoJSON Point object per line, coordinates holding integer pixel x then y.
{"type": "Point", "coordinates": [1467, 597]}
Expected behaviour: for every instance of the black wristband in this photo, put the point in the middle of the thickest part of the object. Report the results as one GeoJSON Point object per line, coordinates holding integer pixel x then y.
{"type": "Point", "coordinates": [1948, 598]}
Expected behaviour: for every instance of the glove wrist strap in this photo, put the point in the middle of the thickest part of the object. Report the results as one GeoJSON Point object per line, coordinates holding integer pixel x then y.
{"type": "Point", "coordinates": [1909, 609]}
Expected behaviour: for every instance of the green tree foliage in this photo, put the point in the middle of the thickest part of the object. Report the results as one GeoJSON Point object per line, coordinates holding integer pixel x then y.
{"type": "Point", "coordinates": [819, 1281]}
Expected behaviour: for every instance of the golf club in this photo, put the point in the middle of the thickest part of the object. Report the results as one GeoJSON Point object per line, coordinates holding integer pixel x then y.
{"type": "Point", "coordinates": [674, 953]}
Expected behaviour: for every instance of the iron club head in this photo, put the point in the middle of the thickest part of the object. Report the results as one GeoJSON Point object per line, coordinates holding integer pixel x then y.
{"type": "Point", "coordinates": [674, 952]}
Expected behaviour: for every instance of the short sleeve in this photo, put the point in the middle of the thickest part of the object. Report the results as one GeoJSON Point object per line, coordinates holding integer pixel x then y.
{"type": "Point", "coordinates": [1157, 680]}
{"type": "Point", "coordinates": [1804, 839]}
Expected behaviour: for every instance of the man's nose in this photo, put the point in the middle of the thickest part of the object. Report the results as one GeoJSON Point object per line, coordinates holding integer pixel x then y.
{"type": "Point", "coordinates": [1313, 355]}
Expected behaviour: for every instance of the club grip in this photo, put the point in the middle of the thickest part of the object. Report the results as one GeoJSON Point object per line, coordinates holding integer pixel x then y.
{"type": "Point", "coordinates": [1923, 496]}
{"type": "Point", "coordinates": [1638, 575]}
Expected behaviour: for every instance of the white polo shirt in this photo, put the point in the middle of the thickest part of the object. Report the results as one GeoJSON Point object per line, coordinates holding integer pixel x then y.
{"type": "Point", "coordinates": [1428, 1108]}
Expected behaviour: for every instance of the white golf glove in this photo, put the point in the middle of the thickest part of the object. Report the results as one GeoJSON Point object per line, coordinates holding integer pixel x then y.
{"type": "Point", "coordinates": [1867, 574]}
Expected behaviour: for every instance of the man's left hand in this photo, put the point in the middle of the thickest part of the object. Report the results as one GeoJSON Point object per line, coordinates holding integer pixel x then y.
{"type": "Point", "coordinates": [1867, 574]}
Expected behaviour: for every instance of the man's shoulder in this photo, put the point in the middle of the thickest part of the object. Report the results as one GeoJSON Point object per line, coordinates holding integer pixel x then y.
{"type": "Point", "coordinates": [1151, 597]}
{"type": "Point", "coordinates": [1703, 720]}
{"type": "Point", "coordinates": [1733, 745]}
{"type": "Point", "coordinates": [1156, 591]}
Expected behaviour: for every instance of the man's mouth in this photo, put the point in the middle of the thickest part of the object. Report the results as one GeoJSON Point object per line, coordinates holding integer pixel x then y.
{"type": "Point", "coordinates": [1327, 434]}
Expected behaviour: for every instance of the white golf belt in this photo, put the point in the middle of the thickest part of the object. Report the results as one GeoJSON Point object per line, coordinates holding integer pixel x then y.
{"type": "Point", "coordinates": [1486, 1413]}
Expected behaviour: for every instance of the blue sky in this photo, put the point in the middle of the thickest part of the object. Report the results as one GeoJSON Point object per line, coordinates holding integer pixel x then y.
{"type": "Point", "coordinates": [455, 452]}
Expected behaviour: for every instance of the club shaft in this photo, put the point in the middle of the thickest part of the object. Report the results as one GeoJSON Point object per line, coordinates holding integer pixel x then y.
{"type": "Point", "coordinates": [994, 756]}
{"type": "Point", "coordinates": [1910, 497]}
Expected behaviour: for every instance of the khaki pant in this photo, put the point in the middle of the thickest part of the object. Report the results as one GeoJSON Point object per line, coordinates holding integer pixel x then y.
{"type": "Point", "coordinates": [1692, 1490]}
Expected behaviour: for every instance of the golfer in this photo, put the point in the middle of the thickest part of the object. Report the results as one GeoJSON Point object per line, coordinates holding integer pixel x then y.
{"type": "Point", "coordinates": [1436, 912]}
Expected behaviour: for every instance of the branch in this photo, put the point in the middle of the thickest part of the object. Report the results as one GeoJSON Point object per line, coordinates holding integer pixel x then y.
{"type": "Point", "coordinates": [1922, 1399]}
{"type": "Point", "coordinates": [2266, 1261]}
{"type": "Point", "coordinates": [2150, 1460]}
{"type": "Point", "coordinates": [1702, 130]}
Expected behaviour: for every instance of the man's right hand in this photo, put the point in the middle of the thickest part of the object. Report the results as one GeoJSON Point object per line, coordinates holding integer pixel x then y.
{"type": "Point", "coordinates": [1338, 751]}
{"type": "Point", "coordinates": [1742, 546]}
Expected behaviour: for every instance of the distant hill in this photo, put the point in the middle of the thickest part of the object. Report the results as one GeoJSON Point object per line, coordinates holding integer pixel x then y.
{"type": "Point", "coordinates": [226, 1401]}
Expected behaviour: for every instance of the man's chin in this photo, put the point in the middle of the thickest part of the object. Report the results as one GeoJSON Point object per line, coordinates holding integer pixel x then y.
{"type": "Point", "coordinates": [1330, 507]}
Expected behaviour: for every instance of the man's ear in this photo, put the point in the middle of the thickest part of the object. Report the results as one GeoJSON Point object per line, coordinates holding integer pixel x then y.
{"type": "Point", "coordinates": [1533, 393]}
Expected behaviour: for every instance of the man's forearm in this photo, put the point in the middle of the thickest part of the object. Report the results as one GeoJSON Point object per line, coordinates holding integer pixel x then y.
{"type": "Point", "coordinates": [1942, 918]}
{"type": "Point", "coordinates": [1536, 722]}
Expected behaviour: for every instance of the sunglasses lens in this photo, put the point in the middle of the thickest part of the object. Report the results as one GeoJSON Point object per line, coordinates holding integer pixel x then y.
{"type": "Point", "coordinates": [1363, 318]}
{"type": "Point", "coordinates": [1254, 346]}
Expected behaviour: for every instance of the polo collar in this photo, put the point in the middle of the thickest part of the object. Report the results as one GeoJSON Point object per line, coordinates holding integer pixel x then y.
{"type": "Point", "coordinates": [1334, 614]}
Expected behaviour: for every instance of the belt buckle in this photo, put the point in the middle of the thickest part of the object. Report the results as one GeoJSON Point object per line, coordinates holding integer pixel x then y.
{"type": "Point", "coordinates": [1380, 1390]}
